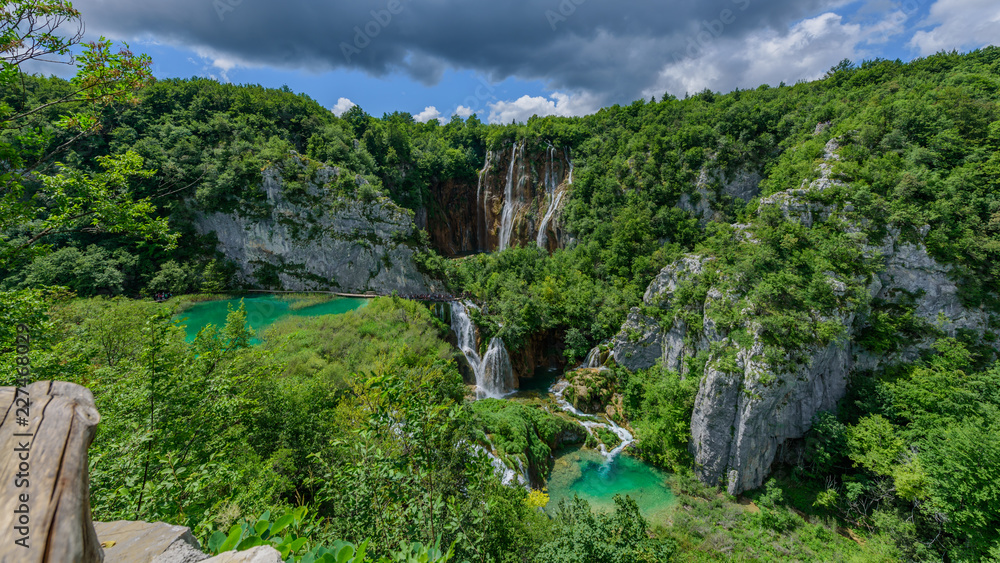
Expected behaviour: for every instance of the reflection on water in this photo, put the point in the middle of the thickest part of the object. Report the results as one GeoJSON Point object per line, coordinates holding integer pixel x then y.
{"type": "Point", "coordinates": [262, 311]}
{"type": "Point", "coordinates": [584, 473]}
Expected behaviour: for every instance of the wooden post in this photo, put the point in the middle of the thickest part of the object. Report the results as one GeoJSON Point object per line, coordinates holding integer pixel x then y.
{"type": "Point", "coordinates": [44, 484]}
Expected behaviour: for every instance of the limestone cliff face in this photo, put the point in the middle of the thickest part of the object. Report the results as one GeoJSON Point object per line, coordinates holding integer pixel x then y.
{"type": "Point", "coordinates": [746, 409]}
{"type": "Point", "coordinates": [715, 195]}
{"type": "Point", "coordinates": [320, 241]}
{"type": "Point", "coordinates": [453, 219]}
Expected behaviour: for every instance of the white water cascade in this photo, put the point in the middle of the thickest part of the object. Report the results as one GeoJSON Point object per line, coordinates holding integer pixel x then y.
{"type": "Point", "coordinates": [509, 210]}
{"type": "Point", "coordinates": [494, 373]}
{"type": "Point", "coordinates": [551, 185]}
{"type": "Point", "coordinates": [497, 377]}
{"type": "Point", "coordinates": [465, 330]}
{"type": "Point", "coordinates": [557, 390]}
{"type": "Point", "coordinates": [593, 359]}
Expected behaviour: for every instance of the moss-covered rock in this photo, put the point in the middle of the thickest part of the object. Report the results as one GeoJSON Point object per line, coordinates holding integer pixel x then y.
{"type": "Point", "coordinates": [526, 432]}
{"type": "Point", "coordinates": [590, 390]}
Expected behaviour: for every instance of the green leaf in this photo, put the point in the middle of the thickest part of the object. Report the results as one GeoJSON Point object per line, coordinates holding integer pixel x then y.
{"type": "Point", "coordinates": [251, 542]}
{"type": "Point", "coordinates": [345, 554]}
{"type": "Point", "coordinates": [215, 541]}
{"type": "Point", "coordinates": [235, 533]}
{"type": "Point", "coordinates": [297, 544]}
{"type": "Point", "coordinates": [359, 557]}
{"type": "Point", "coordinates": [282, 523]}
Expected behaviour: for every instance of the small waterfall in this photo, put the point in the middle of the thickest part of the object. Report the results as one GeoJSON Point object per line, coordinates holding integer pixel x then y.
{"type": "Point", "coordinates": [593, 359]}
{"type": "Point", "coordinates": [507, 475]}
{"type": "Point", "coordinates": [497, 377]}
{"type": "Point", "coordinates": [494, 373]}
{"type": "Point", "coordinates": [465, 330]}
{"type": "Point", "coordinates": [558, 388]}
{"type": "Point", "coordinates": [507, 217]}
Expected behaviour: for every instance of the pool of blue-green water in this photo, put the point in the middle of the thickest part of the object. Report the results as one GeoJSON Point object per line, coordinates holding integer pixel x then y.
{"type": "Point", "coordinates": [262, 312]}
{"type": "Point", "coordinates": [585, 473]}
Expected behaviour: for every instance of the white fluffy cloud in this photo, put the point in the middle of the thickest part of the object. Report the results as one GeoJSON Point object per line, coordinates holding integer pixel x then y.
{"type": "Point", "coordinates": [524, 107]}
{"type": "Point", "coordinates": [342, 105]}
{"type": "Point", "coordinates": [959, 24]}
{"type": "Point", "coordinates": [805, 52]}
{"type": "Point", "coordinates": [464, 112]}
{"type": "Point", "coordinates": [429, 113]}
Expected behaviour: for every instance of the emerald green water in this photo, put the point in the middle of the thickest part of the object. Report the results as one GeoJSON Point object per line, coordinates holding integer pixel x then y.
{"type": "Point", "coordinates": [262, 312]}
{"type": "Point", "coordinates": [583, 473]}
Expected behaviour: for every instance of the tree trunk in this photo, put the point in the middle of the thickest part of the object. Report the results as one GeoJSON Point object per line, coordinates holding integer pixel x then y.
{"type": "Point", "coordinates": [44, 485]}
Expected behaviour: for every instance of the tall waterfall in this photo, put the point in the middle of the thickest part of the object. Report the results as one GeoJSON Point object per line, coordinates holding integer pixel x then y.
{"type": "Point", "coordinates": [483, 203]}
{"type": "Point", "coordinates": [494, 373]}
{"type": "Point", "coordinates": [507, 217]}
{"type": "Point", "coordinates": [551, 185]}
{"type": "Point", "coordinates": [570, 161]}
{"type": "Point", "coordinates": [543, 228]}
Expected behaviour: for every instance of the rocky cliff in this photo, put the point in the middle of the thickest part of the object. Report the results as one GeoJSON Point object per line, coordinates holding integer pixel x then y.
{"type": "Point", "coordinates": [716, 194]}
{"type": "Point", "coordinates": [747, 404]}
{"type": "Point", "coordinates": [310, 238]}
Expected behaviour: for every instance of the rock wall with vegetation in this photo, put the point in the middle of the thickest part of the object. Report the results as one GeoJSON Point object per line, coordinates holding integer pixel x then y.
{"type": "Point", "coordinates": [756, 392]}
{"type": "Point", "coordinates": [305, 235]}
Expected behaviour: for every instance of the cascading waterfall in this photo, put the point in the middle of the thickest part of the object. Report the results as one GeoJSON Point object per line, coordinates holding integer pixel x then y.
{"type": "Point", "coordinates": [497, 373]}
{"type": "Point", "coordinates": [465, 330]}
{"type": "Point", "coordinates": [507, 475]}
{"type": "Point", "coordinates": [593, 359]}
{"type": "Point", "coordinates": [507, 217]}
{"type": "Point", "coordinates": [494, 373]}
{"type": "Point", "coordinates": [557, 390]}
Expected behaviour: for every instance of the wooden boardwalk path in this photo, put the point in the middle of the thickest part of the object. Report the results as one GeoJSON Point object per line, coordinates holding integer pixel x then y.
{"type": "Point", "coordinates": [439, 297]}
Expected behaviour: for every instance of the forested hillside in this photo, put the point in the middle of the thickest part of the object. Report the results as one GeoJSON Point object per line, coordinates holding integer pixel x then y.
{"type": "Point", "coordinates": [794, 292]}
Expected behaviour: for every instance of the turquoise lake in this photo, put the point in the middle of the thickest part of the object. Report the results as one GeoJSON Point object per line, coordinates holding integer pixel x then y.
{"type": "Point", "coordinates": [262, 312]}
{"type": "Point", "coordinates": [584, 473]}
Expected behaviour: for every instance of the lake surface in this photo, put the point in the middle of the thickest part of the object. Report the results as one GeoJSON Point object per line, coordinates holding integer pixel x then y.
{"type": "Point", "coordinates": [262, 312]}
{"type": "Point", "coordinates": [584, 473]}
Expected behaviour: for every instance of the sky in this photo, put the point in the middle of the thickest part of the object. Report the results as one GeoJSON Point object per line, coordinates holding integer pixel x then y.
{"type": "Point", "coordinates": [507, 61]}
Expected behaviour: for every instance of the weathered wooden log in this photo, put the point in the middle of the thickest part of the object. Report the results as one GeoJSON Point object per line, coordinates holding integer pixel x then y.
{"type": "Point", "coordinates": [44, 484]}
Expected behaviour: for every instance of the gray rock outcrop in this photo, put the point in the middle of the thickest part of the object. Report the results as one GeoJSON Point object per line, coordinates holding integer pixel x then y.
{"type": "Point", "coordinates": [143, 542]}
{"type": "Point", "coordinates": [746, 408]}
{"type": "Point", "coordinates": [714, 195]}
{"type": "Point", "coordinates": [321, 241]}
{"type": "Point", "coordinates": [157, 542]}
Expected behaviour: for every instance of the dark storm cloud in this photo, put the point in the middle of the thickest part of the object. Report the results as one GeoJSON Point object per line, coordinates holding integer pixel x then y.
{"type": "Point", "coordinates": [610, 49]}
